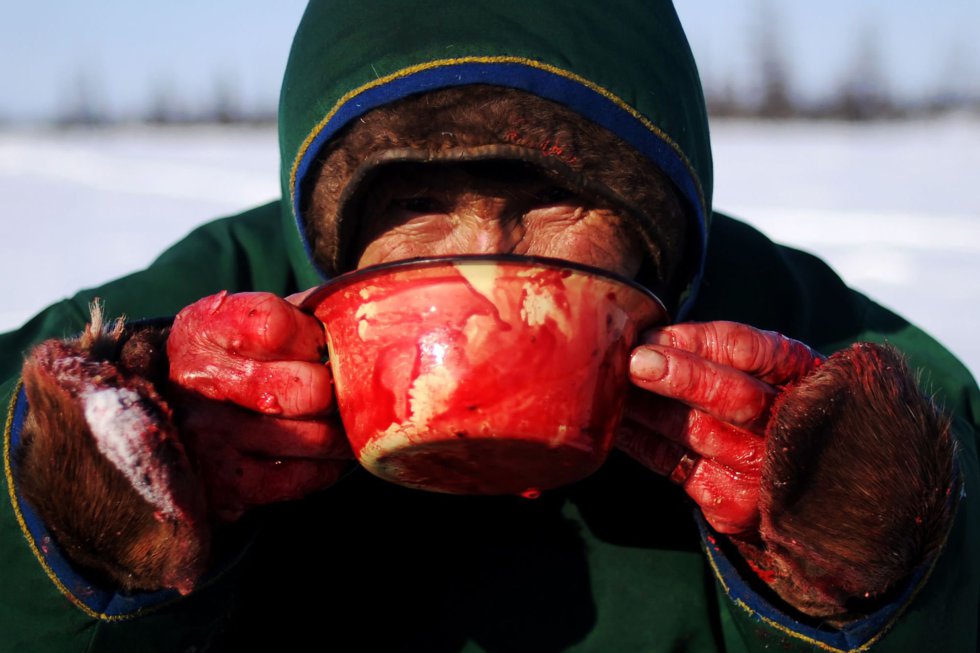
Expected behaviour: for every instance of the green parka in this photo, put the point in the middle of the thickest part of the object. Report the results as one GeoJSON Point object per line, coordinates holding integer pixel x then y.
{"type": "Point", "coordinates": [617, 562]}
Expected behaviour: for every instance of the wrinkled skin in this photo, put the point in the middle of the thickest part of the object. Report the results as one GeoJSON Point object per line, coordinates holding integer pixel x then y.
{"type": "Point", "coordinates": [701, 396]}
{"type": "Point", "coordinates": [450, 210]}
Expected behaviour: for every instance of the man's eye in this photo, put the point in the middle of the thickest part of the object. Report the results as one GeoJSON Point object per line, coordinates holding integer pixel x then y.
{"type": "Point", "coordinates": [419, 204]}
{"type": "Point", "coordinates": [553, 195]}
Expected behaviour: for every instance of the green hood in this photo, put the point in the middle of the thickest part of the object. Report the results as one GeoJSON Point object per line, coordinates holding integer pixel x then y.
{"type": "Point", "coordinates": [624, 65]}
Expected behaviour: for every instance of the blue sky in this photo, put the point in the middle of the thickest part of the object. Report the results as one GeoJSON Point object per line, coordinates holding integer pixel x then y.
{"type": "Point", "coordinates": [130, 51]}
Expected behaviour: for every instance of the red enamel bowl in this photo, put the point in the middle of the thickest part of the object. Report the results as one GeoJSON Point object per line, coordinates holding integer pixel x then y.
{"type": "Point", "coordinates": [482, 374]}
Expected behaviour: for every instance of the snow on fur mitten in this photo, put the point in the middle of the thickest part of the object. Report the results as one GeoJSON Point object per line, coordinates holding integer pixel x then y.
{"type": "Point", "coordinates": [858, 487]}
{"type": "Point", "coordinates": [101, 462]}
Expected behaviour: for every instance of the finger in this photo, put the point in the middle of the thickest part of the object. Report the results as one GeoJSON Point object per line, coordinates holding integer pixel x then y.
{"type": "Point", "coordinates": [260, 482]}
{"type": "Point", "coordinates": [651, 450]}
{"type": "Point", "coordinates": [286, 388]}
{"type": "Point", "coordinates": [693, 429]}
{"type": "Point", "coordinates": [724, 392]}
{"type": "Point", "coordinates": [261, 326]}
{"type": "Point", "coordinates": [224, 425]}
{"type": "Point", "coordinates": [320, 439]}
{"type": "Point", "coordinates": [767, 355]}
{"type": "Point", "coordinates": [729, 500]}
{"type": "Point", "coordinates": [242, 482]}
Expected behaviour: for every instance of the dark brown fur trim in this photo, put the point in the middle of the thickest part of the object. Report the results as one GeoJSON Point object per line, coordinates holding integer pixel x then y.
{"type": "Point", "coordinates": [472, 117]}
{"type": "Point", "coordinates": [858, 483]}
{"type": "Point", "coordinates": [105, 527]}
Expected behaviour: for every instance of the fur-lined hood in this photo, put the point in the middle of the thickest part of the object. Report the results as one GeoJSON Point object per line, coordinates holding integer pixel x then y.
{"type": "Point", "coordinates": [624, 65]}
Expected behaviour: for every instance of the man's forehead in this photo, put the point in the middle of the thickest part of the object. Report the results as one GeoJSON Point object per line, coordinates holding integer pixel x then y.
{"type": "Point", "coordinates": [502, 173]}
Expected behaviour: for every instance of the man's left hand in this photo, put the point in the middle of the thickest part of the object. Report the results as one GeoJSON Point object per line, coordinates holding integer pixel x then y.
{"type": "Point", "coordinates": [699, 409]}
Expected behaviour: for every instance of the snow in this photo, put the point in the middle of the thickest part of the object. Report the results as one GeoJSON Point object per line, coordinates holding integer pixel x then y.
{"type": "Point", "coordinates": [893, 207]}
{"type": "Point", "coordinates": [82, 207]}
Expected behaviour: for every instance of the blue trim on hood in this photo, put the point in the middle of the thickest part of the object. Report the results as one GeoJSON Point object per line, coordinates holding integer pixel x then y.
{"type": "Point", "coordinates": [546, 84]}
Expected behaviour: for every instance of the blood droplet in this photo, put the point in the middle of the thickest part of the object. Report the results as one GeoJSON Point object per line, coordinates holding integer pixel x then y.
{"type": "Point", "coordinates": [768, 576]}
{"type": "Point", "coordinates": [268, 404]}
{"type": "Point", "coordinates": [531, 493]}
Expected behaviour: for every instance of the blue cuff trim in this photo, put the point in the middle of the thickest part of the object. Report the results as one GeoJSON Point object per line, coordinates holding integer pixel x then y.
{"type": "Point", "coordinates": [543, 83]}
{"type": "Point", "coordinates": [92, 599]}
{"type": "Point", "coordinates": [857, 636]}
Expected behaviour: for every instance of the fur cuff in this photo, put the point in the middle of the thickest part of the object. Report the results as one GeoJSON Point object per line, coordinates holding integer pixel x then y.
{"type": "Point", "coordinates": [857, 485]}
{"type": "Point", "coordinates": [101, 463]}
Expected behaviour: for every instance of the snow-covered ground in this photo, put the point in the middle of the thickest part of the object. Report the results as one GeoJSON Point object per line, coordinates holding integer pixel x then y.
{"type": "Point", "coordinates": [895, 208]}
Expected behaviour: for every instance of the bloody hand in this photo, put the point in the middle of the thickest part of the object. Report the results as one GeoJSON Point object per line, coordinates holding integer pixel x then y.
{"type": "Point", "coordinates": [834, 475]}
{"type": "Point", "coordinates": [257, 406]}
{"type": "Point", "coordinates": [702, 398]}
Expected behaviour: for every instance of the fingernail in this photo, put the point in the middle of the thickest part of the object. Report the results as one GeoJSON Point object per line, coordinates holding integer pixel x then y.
{"type": "Point", "coordinates": [216, 301]}
{"type": "Point", "coordinates": [648, 364]}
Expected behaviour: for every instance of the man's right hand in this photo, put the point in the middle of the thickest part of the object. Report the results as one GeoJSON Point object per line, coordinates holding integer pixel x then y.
{"type": "Point", "coordinates": [255, 403]}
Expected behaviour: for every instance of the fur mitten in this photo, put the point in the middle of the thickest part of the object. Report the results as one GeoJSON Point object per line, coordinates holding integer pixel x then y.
{"type": "Point", "coordinates": [858, 488]}
{"type": "Point", "coordinates": [101, 463]}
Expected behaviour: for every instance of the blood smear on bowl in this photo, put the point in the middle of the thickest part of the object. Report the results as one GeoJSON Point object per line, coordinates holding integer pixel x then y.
{"type": "Point", "coordinates": [482, 374]}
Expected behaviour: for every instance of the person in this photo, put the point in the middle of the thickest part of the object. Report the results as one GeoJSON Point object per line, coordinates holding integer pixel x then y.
{"type": "Point", "coordinates": [184, 483]}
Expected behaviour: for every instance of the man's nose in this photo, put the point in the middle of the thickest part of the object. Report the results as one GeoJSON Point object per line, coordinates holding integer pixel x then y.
{"type": "Point", "coordinates": [493, 238]}
{"type": "Point", "coordinates": [489, 228]}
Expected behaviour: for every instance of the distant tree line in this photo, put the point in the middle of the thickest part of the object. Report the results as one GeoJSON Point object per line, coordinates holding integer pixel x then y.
{"type": "Point", "coordinates": [85, 105]}
{"type": "Point", "coordinates": [863, 92]}
{"type": "Point", "coordinates": [861, 95]}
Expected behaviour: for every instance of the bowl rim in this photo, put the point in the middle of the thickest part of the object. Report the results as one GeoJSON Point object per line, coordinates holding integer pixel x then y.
{"type": "Point", "coordinates": [341, 281]}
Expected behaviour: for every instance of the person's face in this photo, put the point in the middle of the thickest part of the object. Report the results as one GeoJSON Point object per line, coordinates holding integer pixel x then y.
{"type": "Point", "coordinates": [420, 210]}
